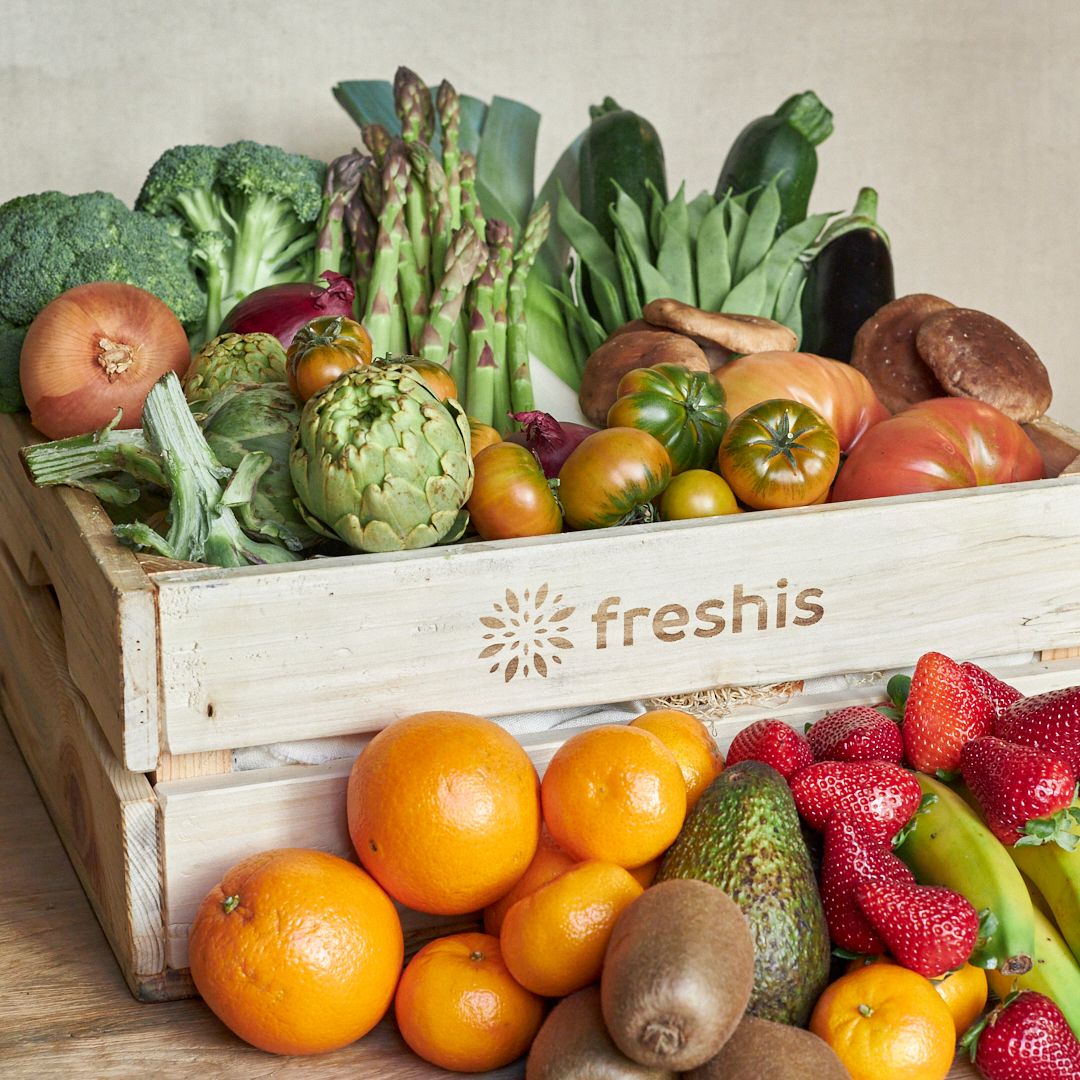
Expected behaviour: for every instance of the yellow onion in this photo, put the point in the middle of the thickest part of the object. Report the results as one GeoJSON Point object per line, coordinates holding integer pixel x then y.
{"type": "Point", "coordinates": [93, 350]}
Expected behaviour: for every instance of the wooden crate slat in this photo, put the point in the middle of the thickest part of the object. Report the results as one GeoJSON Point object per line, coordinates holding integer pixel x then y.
{"type": "Point", "coordinates": [64, 537]}
{"type": "Point", "coordinates": [106, 815]}
{"type": "Point", "coordinates": [350, 644]}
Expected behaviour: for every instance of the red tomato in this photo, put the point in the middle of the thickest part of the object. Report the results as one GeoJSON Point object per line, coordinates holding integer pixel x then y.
{"type": "Point", "coordinates": [937, 445]}
{"type": "Point", "coordinates": [839, 393]}
{"type": "Point", "coordinates": [610, 476]}
{"type": "Point", "coordinates": [697, 493]}
{"type": "Point", "coordinates": [779, 454]}
{"type": "Point", "coordinates": [511, 495]}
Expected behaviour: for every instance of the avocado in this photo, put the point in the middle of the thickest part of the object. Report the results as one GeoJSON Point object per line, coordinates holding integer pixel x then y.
{"type": "Point", "coordinates": [743, 836]}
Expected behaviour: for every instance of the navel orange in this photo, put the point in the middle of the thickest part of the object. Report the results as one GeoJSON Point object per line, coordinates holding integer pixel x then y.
{"type": "Point", "coordinates": [690, 742]}
{"type": "Point", "coordinates": [548, 863]}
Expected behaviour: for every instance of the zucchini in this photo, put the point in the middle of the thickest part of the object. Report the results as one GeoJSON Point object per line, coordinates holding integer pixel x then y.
{"type": "Point", "coordinates": [618, 147]}
{"type": "Point", "coordinates": [780, 145]}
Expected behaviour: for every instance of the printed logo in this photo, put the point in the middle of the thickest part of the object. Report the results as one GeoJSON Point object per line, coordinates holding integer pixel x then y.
{"type": "Point", "coordinates": [526, 634]}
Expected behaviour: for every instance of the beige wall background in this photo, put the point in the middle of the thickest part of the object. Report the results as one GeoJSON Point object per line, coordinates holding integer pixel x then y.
{"type": "Point", "coordinates": [964, 115]}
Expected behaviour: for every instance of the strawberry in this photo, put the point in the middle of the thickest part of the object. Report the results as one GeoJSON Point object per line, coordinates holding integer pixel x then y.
{"type": "Point", "coordinates": [944, 710]}
{"type": "Point", "coordinates": [881, 795]}
{"type": "Point", "coordinates": [1025, 1038]}
{"type": "Point", "coordinates": [774, 742]}
{"type": "Point", "coordinates": [1001, 694]}
{"type": "Point", "coordinates": [852, 855]}
{"type": "Point", "coordinates": [1015, 785]}
{"type": "Point", "coordinates": [857, 733]}
{"type": "Point", "coordinates": [930, 930]}
{"type": "Point", "coordinates": [1049, 722]}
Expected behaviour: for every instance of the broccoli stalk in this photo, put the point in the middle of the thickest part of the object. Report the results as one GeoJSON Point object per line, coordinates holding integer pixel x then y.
{"type": "Point", "coordinates": [249, 211]}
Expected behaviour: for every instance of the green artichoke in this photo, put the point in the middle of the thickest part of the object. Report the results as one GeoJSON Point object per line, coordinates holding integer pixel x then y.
{"type": "Point", "coordinates": [382, 462]}
{"type": "Point", "coordinates": [241, 418]}
{"type": "Point", "coordinates": [234, 358]}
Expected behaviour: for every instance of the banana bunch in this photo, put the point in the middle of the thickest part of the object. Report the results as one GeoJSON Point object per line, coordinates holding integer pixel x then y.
{"type": "Point", "coordinates": [1031, 935]}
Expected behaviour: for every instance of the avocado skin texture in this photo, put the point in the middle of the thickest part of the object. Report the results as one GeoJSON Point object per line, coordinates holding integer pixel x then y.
{"type": "Point", "coordinates": [744, 837]}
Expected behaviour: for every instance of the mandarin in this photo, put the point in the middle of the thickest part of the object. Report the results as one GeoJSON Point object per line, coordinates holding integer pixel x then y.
{"type": "Point", "coordinates": [886, 1023]}
{"type": "Point", "coordinates": [548, 863]}
{"type": "Point", "coordinates": [444, 811]}
{"type": "Point", "coordinates": [691, 744]}
{"type": "Point", "coordinates": [614, 793]}
{"type": "Point", "coordinates": [459, 1007]}
{"type": "Point", "coordinates": [296, 951]}
{"type": "Point", "coordinates": [553, 940]}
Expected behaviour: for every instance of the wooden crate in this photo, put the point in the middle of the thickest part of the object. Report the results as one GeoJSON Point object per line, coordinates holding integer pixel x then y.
{"type": "Point", "coordinates": [129, 681]}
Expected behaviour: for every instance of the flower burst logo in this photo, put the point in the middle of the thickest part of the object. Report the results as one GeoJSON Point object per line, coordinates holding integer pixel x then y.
{"type": "Point", "coordinates": [526, 635]}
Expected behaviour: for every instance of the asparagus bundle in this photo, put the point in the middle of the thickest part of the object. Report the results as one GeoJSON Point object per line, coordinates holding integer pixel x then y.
{"type": "Point", "coordinates": [434, 275]}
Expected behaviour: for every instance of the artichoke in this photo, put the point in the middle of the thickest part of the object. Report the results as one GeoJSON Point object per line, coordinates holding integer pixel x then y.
{"type": "Point", "coordinates": [382, 462]}
{"type": "Point", "coordinates": [234, 358]}
{"type": "Point", "coordinates": [242, 418]}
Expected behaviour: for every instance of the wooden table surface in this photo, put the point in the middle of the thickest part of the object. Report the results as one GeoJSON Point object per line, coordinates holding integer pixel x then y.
{"type": "Point", "coordinates": [65, 1010]}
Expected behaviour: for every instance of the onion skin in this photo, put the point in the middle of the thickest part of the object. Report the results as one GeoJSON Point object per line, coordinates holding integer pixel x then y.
{"type": "Point", "coordinates": [281, 310]}
{"type": "Point", "coordinates": [549, 439]}
{"type": "Point", "coordinates": [96, 349]}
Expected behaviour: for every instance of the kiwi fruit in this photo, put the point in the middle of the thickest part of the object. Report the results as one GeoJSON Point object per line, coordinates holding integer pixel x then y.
{"type": "Point", "coordinates": [573, 1044]}
{"type": "Point", "coordinates": [678, 974]}
{"type": "Point", "coordinates": [791, 1053]}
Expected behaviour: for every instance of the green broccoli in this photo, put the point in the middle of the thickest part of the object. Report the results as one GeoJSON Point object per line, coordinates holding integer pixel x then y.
{"type": "Point", "coordinates": [249, 212]}
{"type": "Point", "coordinates": [51, 242]}
{"type": "Point", "coordinates": [11, 339]}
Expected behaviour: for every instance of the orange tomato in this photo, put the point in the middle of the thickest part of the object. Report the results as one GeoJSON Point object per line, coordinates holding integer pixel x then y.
{"type": "Point", "coordinates": [459, 1007]}
{"type": "Point", "coordinates": [437, 379]}
{"type": "Point", "coordinates": [690, 742]}
{"type": "Point", "coordinates": [554, 940]}
{"type": "Point", "coordinates": [886, 1023]}
{"type": "Point", "coordinates": [322, 351]}
{"type": "Point", "coordinates": [548, 863]}
{"type": "Point", "coordinates": [444, 811]}
{"type": "Point", "coordinates": [614, 793]}
{"type": "Point", "coordinates": [296, 951]}
{"type": "Point", "coordinates": [511, 496]}
{"type": "Point", "coordinates": [481, 436]}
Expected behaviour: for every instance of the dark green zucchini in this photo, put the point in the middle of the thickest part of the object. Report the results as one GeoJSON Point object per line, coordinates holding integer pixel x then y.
{"type": "Point", "coordinates": [779, 145]}
{"type": "Point", "coordinates": [849, 278]}
{"type": "Point", "coordinates": [623, 147]}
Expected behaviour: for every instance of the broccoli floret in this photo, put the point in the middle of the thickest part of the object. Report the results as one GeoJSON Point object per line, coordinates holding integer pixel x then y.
{"type": "Point", "coordinates": [249, 212]}
{"type": "Point", "coordinates": [51, 242]}
{"type": "Point", "coordinates": [11, 339]}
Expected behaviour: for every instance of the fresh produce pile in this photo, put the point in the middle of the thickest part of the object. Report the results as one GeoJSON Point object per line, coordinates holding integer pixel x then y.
{"type": "Point", "coordinates": [842, 902]}
{"type": "Point", "coordinates": [401, 294]}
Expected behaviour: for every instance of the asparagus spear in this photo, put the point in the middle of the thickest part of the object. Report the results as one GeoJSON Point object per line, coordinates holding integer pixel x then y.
{"type": "Point", "coordinates": [470, 202]}
{"type": "Point", "coordinates": [412, 102]}
{"type": "Point", "coordinates": [342, 181]}
{"type": "Point", "coordinates": [362, 229]}
{"type": "Point", "coordinates": [377, 140]}
{"type": "Point", "coordinates": [417, 221]}
{"type": "Point", "coordinates": [517, 346]}
{"type": "Point", "coordinates": [465, 257]}
{"type": "Point", "coordinates": [482, 371]}
{"type": "Point", "coordinates": [413, 277]}
{"type": "Point", "coordinates": [500, 240]}
{"type": "Point", "coordinates": [449, 105]}
{"type": "Point", "coordinates": [381, 312]}
{"type": "Point", "coordinates": [429, 174]}
{"type": "Point", "coordinates": [371, 186]}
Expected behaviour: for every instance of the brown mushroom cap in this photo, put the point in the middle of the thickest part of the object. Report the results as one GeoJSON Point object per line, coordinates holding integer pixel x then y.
{"type": "Point", "coordinates": [884, 351]}
{"type": "Point", "coordinates": [977, 356]}
{"type": "Point", "coordinates": [624, 352]}
{"type": "Point", "coordinates": [736, 333]}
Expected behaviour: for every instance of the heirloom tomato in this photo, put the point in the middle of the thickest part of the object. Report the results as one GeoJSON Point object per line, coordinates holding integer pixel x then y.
{"type": "Point", "coordinates": [779, 453]}
{"type": "Point", "coordinates": [682, 409]}
{"type": "Point", "coordinates": [839, 393]}
{"type": "Point", "coordinates": [324, 349]}
{"type": "Point", "coordinates": [481, 436]}
{"type": "Point", "coordinates": [612, 477]}
{"type": "Point", "coordinates": [436, 378]}
{"type": "Point", "coordinates": [697, 493]}
{"type": "Point", "coordinates": [936, 445]}
{"type": "Point", "coordinates": [511, 496]}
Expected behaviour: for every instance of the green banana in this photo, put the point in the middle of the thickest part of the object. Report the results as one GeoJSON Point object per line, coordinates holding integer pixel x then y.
{"type": "Point", "coordinates": [1056, 872]}
{"type": "Point", "coordinates": [1055, 973]}
{"type": "Point", "coordinates": [951, 846]}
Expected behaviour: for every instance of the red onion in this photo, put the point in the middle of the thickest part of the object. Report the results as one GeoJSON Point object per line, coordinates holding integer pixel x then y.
{"type": "Point", "coordinates": [549, 439]}
{"type": "Point", "coordinates": [282, 309]}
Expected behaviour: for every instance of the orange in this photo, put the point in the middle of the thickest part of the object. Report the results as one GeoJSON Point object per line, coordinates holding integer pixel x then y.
{"type": "Point", "coordinates": [298, 952]}
{"type": "Point", "coordinates": [458, 1007]}
{"type": "Point", "coordinates": [614, 793]}
{"type": "Point", "coordinates": [690, 742]}
{"type": "Point", "coordinates": [963, 991]}
{"type": "Point", "coordinates": [549, 862]}
{"type": "Point", "coordinates": [886, 1023]}
{"type": "Point", "coordinates": [444, 811]}
{"type": "Point", "coordinates": [553, 940]}
{"type": "Point", "coordinates": [645, 875]}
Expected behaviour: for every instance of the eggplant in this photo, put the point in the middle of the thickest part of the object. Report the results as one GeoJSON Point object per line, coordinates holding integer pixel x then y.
{"type": "Point", "coordinates": [850, 277]}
